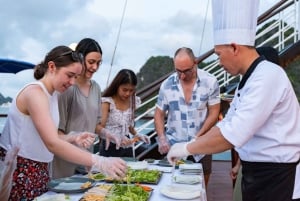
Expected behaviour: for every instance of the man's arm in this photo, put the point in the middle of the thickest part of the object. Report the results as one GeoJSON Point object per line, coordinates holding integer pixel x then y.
{"type": "Point", "coordinates": [159, 121]}
{"type": "Point", "coordinates": [211, 119]}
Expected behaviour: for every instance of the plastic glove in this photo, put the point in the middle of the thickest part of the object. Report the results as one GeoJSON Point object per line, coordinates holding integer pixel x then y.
{"type": "Point", "coordinates": [82, 139]}
{"type": "Point", "coordinates": [126, 142]}
{"type": "Point", "coordinates": [109, 137]}
{"type": "Point", "coordinates": [178, 151]}
{"type": "Point", "coordinates": [163, 144]}
{"type": "Point", "coordinates": [143, 138]}
{"type": "Point", "coordinates": [7, 168]}
{"type": "Point", "coordinates": [110, 166]}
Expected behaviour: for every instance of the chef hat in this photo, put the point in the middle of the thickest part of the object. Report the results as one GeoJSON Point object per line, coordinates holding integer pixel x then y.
{"type": "Point", "coordinates": [234, 21]}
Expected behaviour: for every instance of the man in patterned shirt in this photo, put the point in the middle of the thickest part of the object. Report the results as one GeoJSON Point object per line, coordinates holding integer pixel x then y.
{"type": "Point", "coordinates": [190, 98]}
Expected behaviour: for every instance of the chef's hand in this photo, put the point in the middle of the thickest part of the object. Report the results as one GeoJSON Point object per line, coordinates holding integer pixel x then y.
{"type": "Point", "coordinates": [110, 166]}
{"type": "Point", "coordinates": [178, 151]}
{"type": "Point", "coordinates": [163, 144]}
{"type": "Point", "coordinates": [110, 137]}
{"type": "Point", "coordinates": [8, 167]}
{"type": "Point", "coordinates": [83, 139]}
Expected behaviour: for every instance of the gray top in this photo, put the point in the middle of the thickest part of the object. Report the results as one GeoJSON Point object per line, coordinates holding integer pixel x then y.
{"type": "Point", "coordinates": [78, 112]}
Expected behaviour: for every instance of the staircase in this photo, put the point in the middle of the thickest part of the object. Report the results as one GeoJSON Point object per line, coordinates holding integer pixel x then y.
{"type": "Point", "coordinates": [277, 27]}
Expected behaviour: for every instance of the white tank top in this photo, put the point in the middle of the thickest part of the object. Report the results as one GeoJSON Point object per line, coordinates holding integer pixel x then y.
{"type": "Point", "coordinates": [19, 130]}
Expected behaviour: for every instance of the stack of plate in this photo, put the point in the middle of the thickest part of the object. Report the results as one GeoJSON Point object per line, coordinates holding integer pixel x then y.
{"type": "Point", "coordinates": [195, 168]}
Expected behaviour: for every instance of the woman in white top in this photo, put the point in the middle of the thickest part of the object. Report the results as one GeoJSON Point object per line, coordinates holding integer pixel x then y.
{"type": "Point", "coordinates": [118, 106]}
{"type": "Point", "coordinates": [32, 124]}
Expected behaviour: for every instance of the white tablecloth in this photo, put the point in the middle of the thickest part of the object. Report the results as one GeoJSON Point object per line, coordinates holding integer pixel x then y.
{"type": "Point", "coordinates": [156, 195]}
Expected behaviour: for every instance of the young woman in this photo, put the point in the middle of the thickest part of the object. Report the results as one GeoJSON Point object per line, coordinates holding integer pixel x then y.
{"type": "Point", "coordinates": [32, 125]}
{"type": "Point", "coordinates": [118, 106]}
{"type": "Point", "coordinates": [80, 104]}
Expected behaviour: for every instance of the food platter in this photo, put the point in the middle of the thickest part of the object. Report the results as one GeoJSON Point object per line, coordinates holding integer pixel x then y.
{"type": "Point", "coordinates": [71, 185]}
{"type": "Point", "coordinates": [96, 176]}
{"type": "Point", "coordinates": [112, 192]}
{"type": "Point", "coordinates": [140, 176]}
{"type": "Point", "coordinates": [180, 192]}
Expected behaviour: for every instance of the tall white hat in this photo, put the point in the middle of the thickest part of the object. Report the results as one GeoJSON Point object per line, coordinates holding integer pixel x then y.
{"type": "Point", "coordinates": [234, 21]}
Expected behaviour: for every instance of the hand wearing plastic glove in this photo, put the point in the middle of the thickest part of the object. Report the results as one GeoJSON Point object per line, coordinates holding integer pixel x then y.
{"type": "Point", "coordinates": [163, 144]}
{"type": "Point", "coordinates": [7, 168]}
{"type": "Point", "coordinates": [82, 139]}
{"type": "Point", "coordinates": [126, 142]}
{"type": "Point", "coordinates": [143, 138]}
{"type": "Point", "coordinates": [110, 166]}
{"type": "Point", "coordinates": [109, 137]}
{"type": "Point", "coordinates": [178, 151]}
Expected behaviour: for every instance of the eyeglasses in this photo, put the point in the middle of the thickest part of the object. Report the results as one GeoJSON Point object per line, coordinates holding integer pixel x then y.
{"type": "Point", "coordinates": [77, 57]}
{"type": "Point", "coordinates": [186, 72]}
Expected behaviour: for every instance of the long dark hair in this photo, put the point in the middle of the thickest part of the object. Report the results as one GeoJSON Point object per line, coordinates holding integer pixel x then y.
{"type": "Point", "coordinates": [124, 76]}
{"type": "Point", "coordinates": [62, 56]}
{"type": "Point", "coordinates": [88, 45]}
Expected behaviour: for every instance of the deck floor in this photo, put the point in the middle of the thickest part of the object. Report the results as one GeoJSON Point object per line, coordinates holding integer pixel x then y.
{"type": "Point", "coordinates": [220, 184]}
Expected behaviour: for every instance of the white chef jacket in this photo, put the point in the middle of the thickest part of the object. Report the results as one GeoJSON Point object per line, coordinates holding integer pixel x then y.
{"type": "Point", "coordinates": [263, 121]}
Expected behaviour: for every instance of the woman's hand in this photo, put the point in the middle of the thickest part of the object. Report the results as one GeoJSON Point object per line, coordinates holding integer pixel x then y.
{"type": "Point", "coordinates": [84, 139]}
{"type": "Point", "coordinates": [126, 142]}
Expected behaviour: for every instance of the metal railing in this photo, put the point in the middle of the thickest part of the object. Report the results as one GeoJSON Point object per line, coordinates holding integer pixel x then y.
{"type": "Point", "coordinates": [277, 27]}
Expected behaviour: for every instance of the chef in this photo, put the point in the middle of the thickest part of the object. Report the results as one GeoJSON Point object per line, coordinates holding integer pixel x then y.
{"type": "Point", "coordinates": [263, 121]}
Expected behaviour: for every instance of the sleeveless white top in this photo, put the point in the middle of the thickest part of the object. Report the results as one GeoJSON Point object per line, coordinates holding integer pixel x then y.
{"type": "Point", "coordinates": [19, 130]}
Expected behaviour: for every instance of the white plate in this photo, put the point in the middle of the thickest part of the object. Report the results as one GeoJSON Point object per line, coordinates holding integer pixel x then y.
{"type": "Point", "coordinates": [181, 192]}
{"type": "Point", "coordinates": [193, 166]}
{"type": "Point", "coordinates": [139, 165]}
{"type": "Point", "coordinates": [187, 179]}
{"type": "Point", "coordinates": [56, 197]}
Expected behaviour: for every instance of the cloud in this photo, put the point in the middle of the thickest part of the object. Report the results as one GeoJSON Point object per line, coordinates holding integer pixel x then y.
{"type": "Point", "coordinates": [31, 28]}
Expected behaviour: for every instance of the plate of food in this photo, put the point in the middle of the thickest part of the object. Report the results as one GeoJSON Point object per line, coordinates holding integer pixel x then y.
{"type": "Point", "coordinates": [140, 176]}
{"type": "Point", "coordinates": [118, 192]}
{"type": "Point", "coordinates": [98, 176]}
{"type": "Point", "coordinates": [181, 192]}
{"type": "Point", "coordinates": [71, 185]}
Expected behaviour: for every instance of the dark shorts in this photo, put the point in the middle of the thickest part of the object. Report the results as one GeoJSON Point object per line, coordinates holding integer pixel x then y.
{"type": "Point", "coordinates": [29, 179]}
{"type": "Point", "coordinates": [206, 163]}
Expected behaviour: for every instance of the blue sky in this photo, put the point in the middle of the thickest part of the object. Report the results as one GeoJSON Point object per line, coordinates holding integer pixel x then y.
{"type": "Point", "coordinates": [30, 28]}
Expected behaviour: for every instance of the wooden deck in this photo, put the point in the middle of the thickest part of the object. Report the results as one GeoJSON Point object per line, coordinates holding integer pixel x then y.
{"type": "Point", "coordinates": [220, 184]}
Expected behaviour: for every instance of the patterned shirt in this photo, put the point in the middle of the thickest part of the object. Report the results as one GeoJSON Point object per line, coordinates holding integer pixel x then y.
{"type": "Point", "coordinates": [186, 119]}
